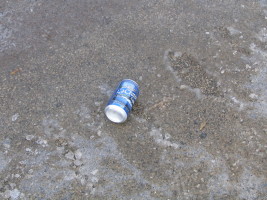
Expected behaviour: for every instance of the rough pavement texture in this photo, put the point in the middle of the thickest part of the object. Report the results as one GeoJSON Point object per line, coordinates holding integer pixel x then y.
{"type": "Point", "coordinates": [199, 128]}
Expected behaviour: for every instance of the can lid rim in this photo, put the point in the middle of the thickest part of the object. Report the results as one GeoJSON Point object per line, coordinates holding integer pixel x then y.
{"type": "Point", "coordinates": [132, 81]}
{"type": "Point", "coordinates": [112, 110]}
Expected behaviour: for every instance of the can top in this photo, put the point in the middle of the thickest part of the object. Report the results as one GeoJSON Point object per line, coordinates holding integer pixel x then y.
{"type": "Point", "coordinates": [115, 113]}
{"type": "Point", "coordinates": [131, 81]}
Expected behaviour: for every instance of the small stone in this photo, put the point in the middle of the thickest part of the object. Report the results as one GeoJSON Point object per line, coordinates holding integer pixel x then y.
{"type": "Point", "coordinates": [17, 175]}
{"type": "Point", "coordinates": [177, 54]}
{"type": "Point", "coordinates": [222, 72]}
{"type": "Point", "coordinates": [29, 137]}
{"type": "Point", "coordinates": [78, 154]}
{"type": "Point", "coordinates": [78, 163]}
{"type": "Point", "coordinates": [94, 179]}
{"type": "Point", "coordinates": [6, 145]}
{"type": "Point", "coordinates": [99, 133]}
{"type": "Point", "coordinates": [248, 66]}
{"type": "Point", "coordinates": [158, 75]}
{"type": "Point", "coordinates": [93, 191]}
{"type": "Point", "coordinates": [23, 162]}
{"type": "Point", "coordinates": [203, 135]}
{"type": "Point", "coordinates": [94, 172]}
{"type": "Point", "coordinates": [28, 150]}
{"type": "Point", "coordinates": [14, 194]}
{"type": "Point", "coordinates": [97, 103]}
{"type": "Point", "coordinates": [167, 136]}
{"type": "Point", "coordinates": [92, 137]}
{"type": "Point", "coordinates": [89, 185]}
{"type": "Point", "coordinates": [70, 155]}
{"type": "Point", "coordinates": [30, 171]}
{"type": "Point", "coordinates": [253, 96]}
{"type": "Point", "coordinates": [42, 142]}
{"type": "Point", "coordinates": [207, 33]}
{"type": "Point", "coordinates": [83, 181]}
{"type": "Point", "coordinates": [60, 149]}
{"type": "Point", "coordinates": [22, 196]}
{"type": "Point", "coordinates": [58, 104]}
{"type": "Point", "coordinates": [12, 185]}
{"type": "Point", "coordinates": [15, 117]}
{"type": "Point", "coordinates": [183, 87]}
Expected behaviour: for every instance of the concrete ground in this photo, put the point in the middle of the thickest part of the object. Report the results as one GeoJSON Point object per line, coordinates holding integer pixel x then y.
{"type": "Point", "coordinates": [198, 130]}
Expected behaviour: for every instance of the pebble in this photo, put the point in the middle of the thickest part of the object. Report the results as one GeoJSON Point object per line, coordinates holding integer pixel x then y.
{"type": "Point", "coordinates": [14, 194]}
{"type": "Point", "coordinates": [177, 54]}
{"type": "Point", "coordinates": [183, 87]}
{"type": "Point", "coordinates": [78, 163]}
{"type": "Point", "coordinates": [98, 103]}
{"type": "Point", "coordinates": [78, 154]}
{"type": "Point", "coordinates": [99, 133]}
{"type": "Point", "coordinates": [92, 137]}
{"type": "Point", "coordinates": [253, 96]}
{"type": "Point", "coordinates": [41, 142]}
{"type": "Point", "coordinates": [94, 172]}
{"type": "Point", "coordinates": [167, 136]}
{"type": "Point", "coordinates": [29, 137]}
{"type": "Point", "coordinates": [15, 117]}
{"type": "Point", "coordinates": [203, 135]}
{"type": "Point", "coordinates": [70, 155]}
{"type": "Point", "coordinates": [248, 66]}
{"type": "Point", "coordinates": [61, 149]}
{"type": "Point", "coordinates": [17, 175]}
{"type": "Point", "coordinates": [6, 145]}
{"type": "Point", "coordinates": [94, 179]}
{"type": "Point", "coordinates": [83, 181]}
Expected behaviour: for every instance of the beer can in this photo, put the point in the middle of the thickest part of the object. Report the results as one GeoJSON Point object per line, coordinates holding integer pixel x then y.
{"type": "Point", "coordinates": [122, 100]}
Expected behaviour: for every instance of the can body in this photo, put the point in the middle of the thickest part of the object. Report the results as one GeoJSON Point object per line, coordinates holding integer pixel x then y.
{"type": "Point", "coordinates": [122, 100]}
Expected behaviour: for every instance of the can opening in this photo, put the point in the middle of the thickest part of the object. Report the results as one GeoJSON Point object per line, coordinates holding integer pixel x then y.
{"type": "Point", "coordinates": [115, 114]}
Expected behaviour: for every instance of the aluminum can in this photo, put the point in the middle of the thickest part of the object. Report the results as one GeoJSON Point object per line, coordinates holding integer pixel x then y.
{"type": "Point", "coordinates": [122, 100]}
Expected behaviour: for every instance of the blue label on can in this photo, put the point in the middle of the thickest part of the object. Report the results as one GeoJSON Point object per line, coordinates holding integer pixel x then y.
{"type": "Point", "coordinates": [125, 95]}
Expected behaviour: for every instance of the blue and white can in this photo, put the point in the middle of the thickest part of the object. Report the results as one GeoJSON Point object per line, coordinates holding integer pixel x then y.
{"type": "Point", "coordinates": [122, 100]}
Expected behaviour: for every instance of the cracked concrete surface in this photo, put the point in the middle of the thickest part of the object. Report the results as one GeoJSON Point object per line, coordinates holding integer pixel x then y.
{"type": "Point", "coordinates": [198, 130]}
